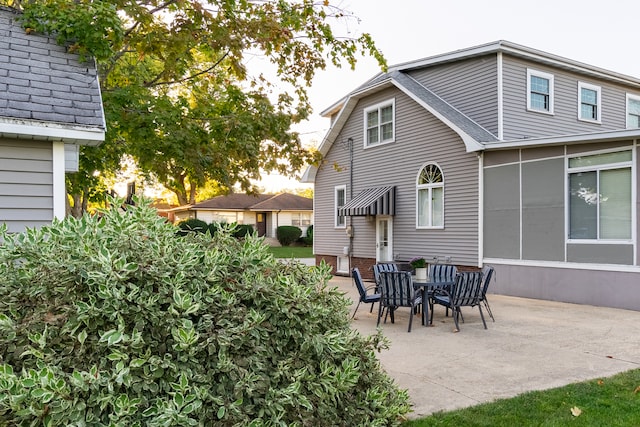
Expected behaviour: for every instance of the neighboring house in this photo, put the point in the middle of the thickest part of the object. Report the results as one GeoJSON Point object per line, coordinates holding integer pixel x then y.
{"type": "Point", "coordinates": [50, 104]}
{"type": "Point", "coordinates": [497, 154]}
{"type": "Point", "coordinates": [266, 212]}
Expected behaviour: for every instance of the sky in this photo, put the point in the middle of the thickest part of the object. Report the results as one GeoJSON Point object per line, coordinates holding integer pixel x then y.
{"type": "Point", "coordinates": [597, 32]}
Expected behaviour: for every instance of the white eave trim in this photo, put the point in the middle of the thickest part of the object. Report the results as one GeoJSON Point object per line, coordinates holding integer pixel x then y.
{"type": "Point", "coordinates": [34, 130]}
{"type": "Point", "coordinates": [616, 135]}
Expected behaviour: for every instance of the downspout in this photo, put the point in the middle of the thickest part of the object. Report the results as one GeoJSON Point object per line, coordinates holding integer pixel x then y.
{"type": "Point", "coordinates": [350, 142]}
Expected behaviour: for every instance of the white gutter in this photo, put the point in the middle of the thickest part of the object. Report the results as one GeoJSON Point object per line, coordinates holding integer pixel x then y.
{"type": "Point", "coordinates": [35, 130]}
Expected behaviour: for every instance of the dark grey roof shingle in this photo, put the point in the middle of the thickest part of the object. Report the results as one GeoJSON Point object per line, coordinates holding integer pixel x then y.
{"type": "Point", "coordinates": [40, 80]}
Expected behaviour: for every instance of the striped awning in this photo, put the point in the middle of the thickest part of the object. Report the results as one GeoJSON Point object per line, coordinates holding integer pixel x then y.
{"type": "Point", "coordinates": [371, 201]}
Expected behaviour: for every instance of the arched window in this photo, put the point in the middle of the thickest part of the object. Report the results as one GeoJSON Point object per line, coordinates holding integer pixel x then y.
{"type": "Point", "coordinates": [430, 197]}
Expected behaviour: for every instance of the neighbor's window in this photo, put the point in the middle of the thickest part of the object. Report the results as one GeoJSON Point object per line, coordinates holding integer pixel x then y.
{"type": "Point", "coordinates": [589, 104]}
{"type": "Point", "coordinates": [633, 111]}
{"type": "Point", "coordinates": [379, 123]}
{"type": "Point", "coordinates": [340, 200]}
{"type": "Point", "coordinates": [539, 91]}
{"type": "Point", "coordinates": [301, 219]}
{"type": "Point", "coordinates": [430, 197]}
{"type": "Point", "coordinates": [600, 196]}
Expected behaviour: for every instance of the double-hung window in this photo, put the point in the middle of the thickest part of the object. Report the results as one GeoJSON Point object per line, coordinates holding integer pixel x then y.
{"type": "Point", "coordinates": [301, 219]}
{"type": "Point", "coordinates": [600, 199]}
{"type": "Point", "coordinates": [430, 197]}
{"type": "Point", "coordinates": [539, 91]}
{"type": "Point", "coordinates": [340, 198]}
{"type": "Point", "coordinates": [379, 123]}
{"type": "Point", "coordinates": [633, 111]}
{"type": "Point", "coordinates": [589, 102]}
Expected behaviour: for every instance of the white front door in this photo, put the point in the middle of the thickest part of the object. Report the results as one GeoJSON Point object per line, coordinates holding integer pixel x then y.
{"type": "Point", "coordinates": [384, 239]}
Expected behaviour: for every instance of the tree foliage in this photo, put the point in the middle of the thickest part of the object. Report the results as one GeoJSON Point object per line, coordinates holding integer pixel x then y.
{"type": "Point", "coordinates": [177, 92]}
{"type": "Point", "coordinates": [114, 320]}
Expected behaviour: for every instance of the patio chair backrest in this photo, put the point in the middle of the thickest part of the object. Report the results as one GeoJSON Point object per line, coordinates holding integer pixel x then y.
{"type": "Point", "coordinates": [378, 268]}
{"type": "Point", "coordinates": [357, 279]}
{"type": "Point", "coordinates": [487, 273]}
{"type": "Point", "coordinates": [467, 290]}
{"type": "Point", "coordinates": [442, 272]}
{"type": "Point", "coordinates": [396, 288]}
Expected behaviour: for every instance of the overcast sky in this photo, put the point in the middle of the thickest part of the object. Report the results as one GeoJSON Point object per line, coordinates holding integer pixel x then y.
{"type": "Point", "coordinates": [603, 33]}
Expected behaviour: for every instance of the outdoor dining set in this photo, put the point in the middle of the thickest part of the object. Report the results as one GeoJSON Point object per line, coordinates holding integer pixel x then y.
{"type": "Point", "coordinates": [444, 285]}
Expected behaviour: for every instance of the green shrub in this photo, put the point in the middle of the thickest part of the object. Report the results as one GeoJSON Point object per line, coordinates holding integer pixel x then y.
{"type": "Point", "coordinates": [307, 240]}
{"type": "Point", "coordinates": [242, 230]}
{"type": "Point", "coordinates": [287, 234]}
{"type": "Point", "coordinates": [214, 227]}
{"type": "Point", "coordinates": [192, 225]}
{"type": "Point", "coordinates": [118, 322]}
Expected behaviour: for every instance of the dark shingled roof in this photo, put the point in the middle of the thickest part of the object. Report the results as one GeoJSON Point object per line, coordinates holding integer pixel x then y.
{"type": "Point", "coordinates": [260, 202]}
{"type": "Point", "coordinates": [41, 81]}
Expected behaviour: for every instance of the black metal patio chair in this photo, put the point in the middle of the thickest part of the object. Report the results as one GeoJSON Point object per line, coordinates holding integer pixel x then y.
{"type": "Point", "coordinates": [396, 290]}
{"type": "Point", "coordinates": [365, 297]}
{"type": "Point", "coordinates": [466, 292]}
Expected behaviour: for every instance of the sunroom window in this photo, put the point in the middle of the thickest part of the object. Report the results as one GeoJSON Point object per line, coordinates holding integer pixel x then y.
{"type": "Point", "coordinates": [600, 196]}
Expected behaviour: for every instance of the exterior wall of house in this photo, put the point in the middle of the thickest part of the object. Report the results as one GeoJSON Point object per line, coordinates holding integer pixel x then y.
{"type": "Point", "coordinates": [521, 123]}
{"type": "Point", "coordinates": [26, 184]}
{"type": "Point", "coordinates": [525, 217]}
{"type": "Point", "coordinates": [470, 85]}
{"type": "Point", "coordinates": [420, 138]}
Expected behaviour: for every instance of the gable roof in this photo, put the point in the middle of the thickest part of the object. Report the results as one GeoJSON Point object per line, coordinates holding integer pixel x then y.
{"type": "Point", "coordinates": [259, 202]}
{"type": "Point", "coordinates": [47, 94]}
{"type": "Point", "coordinates": [474, 136]}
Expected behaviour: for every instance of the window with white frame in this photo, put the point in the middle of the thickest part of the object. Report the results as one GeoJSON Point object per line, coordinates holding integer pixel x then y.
{"type": "Point", "coordinates": [340, 197]}
{"type": "Point", "coordinates": [430, 197]}
{"type": "Point", "coordinates": [589, 102]}
{"type": "Point", "coordinates": [633, 111]}
{"type": "Point", "coordinates": [539, 91]}
{"type": "Point", "coordinates": [379, 123]}
{"type": "Point", "coordinates": [600, 199]}
{"type": "Point", "coordinates": [301, 219]}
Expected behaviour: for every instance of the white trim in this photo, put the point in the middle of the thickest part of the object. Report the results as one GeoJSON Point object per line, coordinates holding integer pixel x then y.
{"type": "Point", "coordinates": [598, 91]}
{"type": "Point", "coordinates": [500, 98]}
{"type": "Point", "coordinates": [59, 185]}
{"type": "Point", "coordinates": [629, 96]}
{"type": "Point", "coordinates": [335, 206]}
{"type": "Point", "coordinates": [565, 265]}
{"type": "Point", "coordinates": [480, 208]}
{"type": "Point", "coordinates": [520, 231]}
{"type": "Point", "coordinates": [378, 107]}
{"type": "Point", "coordinates": [582, 138]}
{"type": "Point", "coordinates": [31, 129]}
{"type": "Point", "coordinates": [536, 73]}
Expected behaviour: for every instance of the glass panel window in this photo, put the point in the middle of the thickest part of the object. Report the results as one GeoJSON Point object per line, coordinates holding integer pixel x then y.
{"type": "Point", "coordinates": [430, 197]}
{"type": "Point", "coordinates": [379, 123]}
{"type": "Point", "coordinates": [588, 102]}
{"type": "Point", "coordinates": [340, 199]}
{"type": "Point", "coordinates": [301, 219]}
{"type": "Point", "coordinates": [600, 197]}
{"type": "Point", "coordinates": [539, 91]}
{"type": "Point", "coordinates": [633, 111]}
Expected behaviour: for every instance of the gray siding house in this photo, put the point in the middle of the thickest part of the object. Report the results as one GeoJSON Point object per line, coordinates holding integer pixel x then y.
{"type": "Point", "coordinates": [497, 154]}
{"type": "Point", "coordinates": [50, 104]}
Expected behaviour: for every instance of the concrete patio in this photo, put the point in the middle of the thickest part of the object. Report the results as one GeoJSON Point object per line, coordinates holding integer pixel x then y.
{"type": "Point", "coordinates": [533, 345]}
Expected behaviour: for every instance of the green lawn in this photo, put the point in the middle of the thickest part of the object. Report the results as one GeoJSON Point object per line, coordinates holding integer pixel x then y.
{"type": "Point", "coordinates": [613, 401]}
{"type": "Point", "coordinates": [292, 251]}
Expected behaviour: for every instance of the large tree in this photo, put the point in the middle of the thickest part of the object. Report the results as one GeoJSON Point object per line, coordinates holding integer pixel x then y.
{"type": "Point", "coordinates": [177, 93]}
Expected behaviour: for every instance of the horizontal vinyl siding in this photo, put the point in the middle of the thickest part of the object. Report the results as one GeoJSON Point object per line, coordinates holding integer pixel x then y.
{"type": "Point", "coordinates": [471, 86]}
{"type": "Point", "coordinates": [420, 138]}
{"type": "Point", "coordinates": [521, 123]}
{"type": "Point", "coordinates": [26, 184]}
